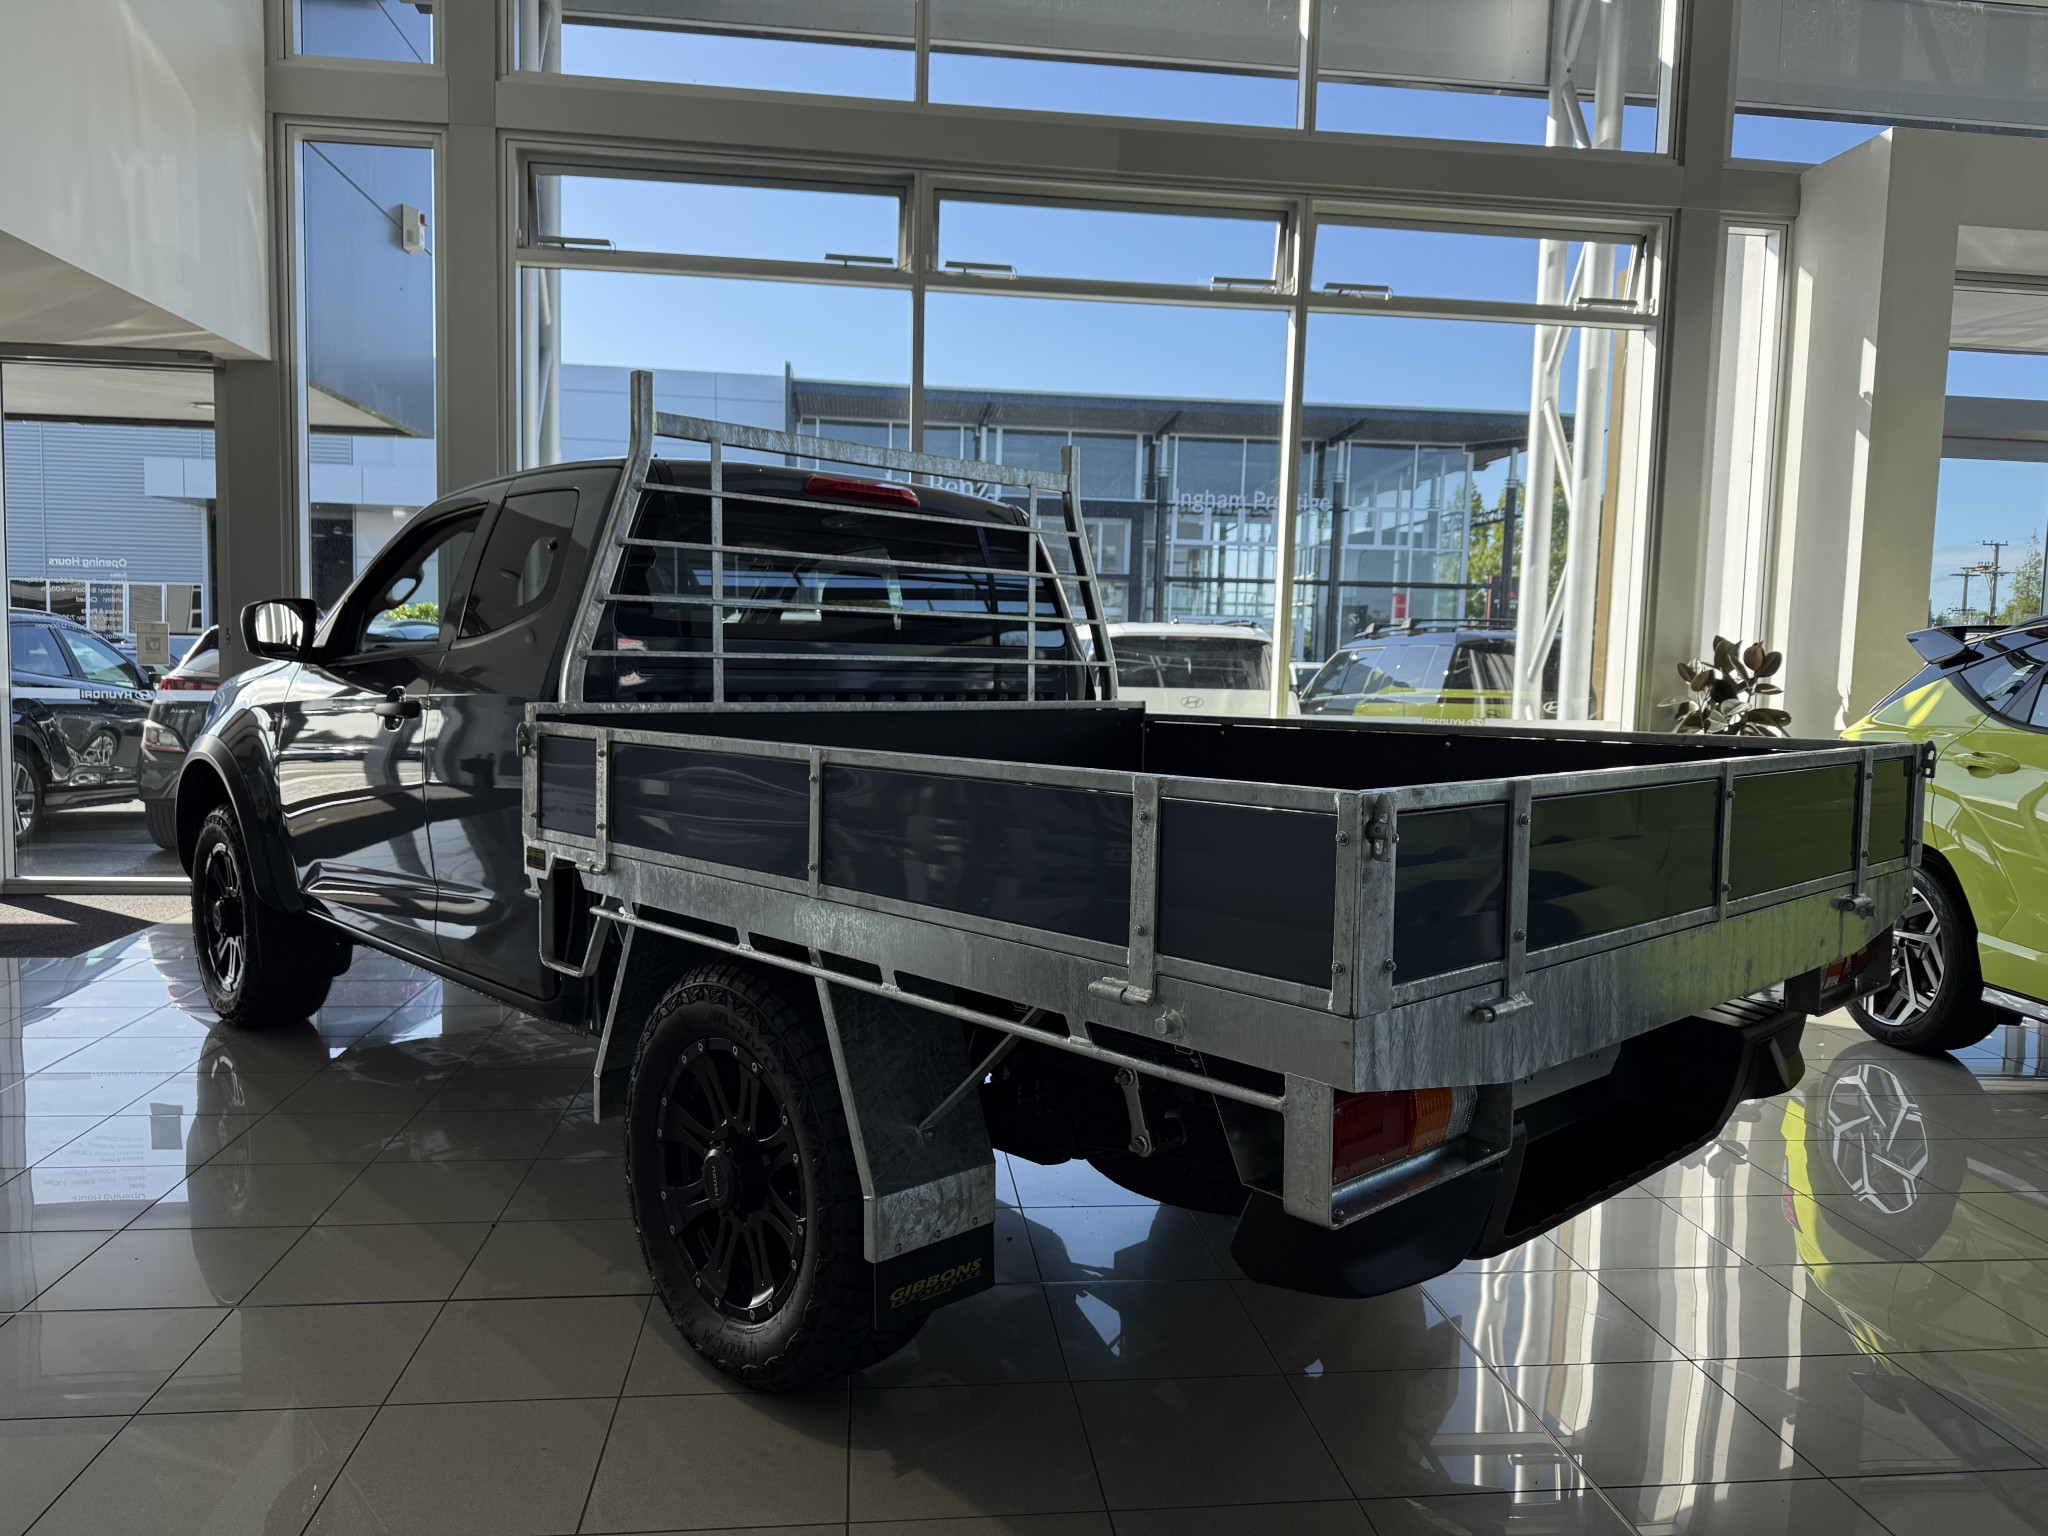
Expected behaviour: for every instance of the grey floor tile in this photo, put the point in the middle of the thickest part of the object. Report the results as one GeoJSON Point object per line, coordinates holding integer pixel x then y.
{"type": "Point", "coordinates": [1549, 1317]}
{"type": "Point", "coordinates": [29, 1138]}
{"type": "Point", "coordinates": [134, 1054]}
{"type": "Point", "coordinates": [403, 1263]}
{"type": "Point", "coordinates": [1981, 1504]}
{"type": "Point", "coordinates": [216, 1086]}
{"type": "Point", "coordinates": [1807, 1507]}
{"type": "Point", "coordinates": [78, 1093]}
{"type": "Point", "coordinates": [1637, 1234]}
{"type": "Point", "coordinates": [1728, 1313]}
{"type": "Point", "coordinates": [577, 1135]}
{"type": "Point", "coordinates": [1015, 1262]}
{"type": "Point", "coordinates": [1093, 1523]}
{"type": "Point", "coordinates": [1342, 1517]}
{"type": "Point", "coordinates": [1119, 1242]}
{"type": "Point", "coordinates": [1204, 1441]}
{"type": "Point", "coordinates": [1851, 1416]}
{"type": "Point", "coordinates": [39, 1458]}
{"type": "Point", "coordinates": [250, 1195]}
{"type": "Point", "coordinates": [1760, 1228]}
{"type": "Point", "coordinates": [82, 1199]}
{"type": "Point", "coordinates": [755, 1461]}
{"type": "Point", "coordinates": [511, 1088]}
{"type": "Point", "coordinates": [2003, 1389]}
{"type": "Point", "coordinates": [1554, 1512]}
{"type": "Point", "coordinates": [1915, 1307]}
{"type": "Point", "coordinates": [565, 1189]}
{"type": "Point", "coordinates": [434, 1191]}
{"type": "Point", "coordinates": [1637, 1423]}
{"type": "Point", "coordinates": [1005, 1334]}
{"type": "Point", "coordinates": [491, 1469]}
{"type": "Point", "coordinates": [1314, 1334]}
{"type": "Point", "coordinates": [359, 1087]}
{"type": "Point", "coordinates": [280, 1137]}
{"type": "Point", "coordinates": [198, 1268]}
{"type": "Point", "coordinates": [665, 1366]}
{"type": "Point", "coordinates": [490, 1135]}
{"type": "Point", "coordinates": [558, 1258]}
{"type": "Point", "coordinates": [1425, 1434]}
{"type": "Point", "coordinates": [931, 1452]}
{"type": "Point", "coordinates": [1069, 1183]}
{"type": "Point", "coordinates": [61, 1364]}
{"type": "Point", "coordinates": [571, 1346]}
{"type": "Point", "coordinates": [1537, 1253]}
{"type": "Point", "coordinates": [30, 1261]}
{"type": "Point", "coordinates": [1142, 1329]}
{"type": "Point", "coordinates": [298, 1357]}
{"type": "Point", "coordinates": [255, 1472]}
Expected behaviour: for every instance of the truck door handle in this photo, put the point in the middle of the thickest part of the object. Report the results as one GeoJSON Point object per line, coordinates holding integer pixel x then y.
{"type": "Point", "coordinates": [395, 706]}
{"type": "Point", "coordinates": [1984, 764]}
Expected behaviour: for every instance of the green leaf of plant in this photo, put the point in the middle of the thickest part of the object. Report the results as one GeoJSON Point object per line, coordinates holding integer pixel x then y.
{"type": "Point", "coordinates": [1772, 661]}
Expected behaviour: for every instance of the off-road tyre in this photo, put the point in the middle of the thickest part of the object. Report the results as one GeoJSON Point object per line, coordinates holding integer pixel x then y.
{"type": "Point", "coordinates": [160, 817]}
{"type": "Point", "coordinates": [741, 1177]}
{"type": "Point", "coordinates": [1934, 1001]}
{"type": "Point", "coordinates": [1198, 1175]}
{"type": "Point", "coordinates": [260, 966]}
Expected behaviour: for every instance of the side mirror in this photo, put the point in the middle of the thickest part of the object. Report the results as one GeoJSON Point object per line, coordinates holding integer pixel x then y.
{"type": "Point", "coordinates": [281, 628]}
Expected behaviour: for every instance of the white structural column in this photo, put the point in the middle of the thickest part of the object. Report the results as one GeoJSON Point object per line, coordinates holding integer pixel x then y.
{"type": "Point", "coordinates": [540, 288]}
{"type": "Point", "coordinates": [1287, 515]}
{"type": "Point", "coordinates": [1596, 370]}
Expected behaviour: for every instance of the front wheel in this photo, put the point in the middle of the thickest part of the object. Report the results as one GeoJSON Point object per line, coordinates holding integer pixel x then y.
{"type": "Point", "coordinates": [260, 966]}
{"type": "Point", "coordinates": [160, 817]}
{"type": "Point", "coordinates": [741, 1175]}
{"type": "Point", "coordinates": [1934, 999]}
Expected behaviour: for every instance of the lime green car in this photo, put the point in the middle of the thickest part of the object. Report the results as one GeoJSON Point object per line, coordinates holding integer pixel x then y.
{"type": "Point", "coordinates": [1973, 945]}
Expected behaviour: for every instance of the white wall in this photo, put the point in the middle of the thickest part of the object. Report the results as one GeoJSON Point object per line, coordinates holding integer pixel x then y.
{"type": "Point", "coordinates": [133, 195]}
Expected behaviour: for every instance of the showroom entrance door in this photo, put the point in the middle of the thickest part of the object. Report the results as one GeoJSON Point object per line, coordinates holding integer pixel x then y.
{"type": "Point", "coordinates": [108, 470]}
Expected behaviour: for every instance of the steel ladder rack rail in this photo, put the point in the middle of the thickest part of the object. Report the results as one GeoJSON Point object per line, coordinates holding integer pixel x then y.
{"type": "Point", "coordinates": [1066, 531]}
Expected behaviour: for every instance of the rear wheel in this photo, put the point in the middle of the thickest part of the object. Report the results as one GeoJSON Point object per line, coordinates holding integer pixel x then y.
{"type": "Point", "coordinates": [741, 1175]}
{"type": "Point", "coordinates": [28, 793]}
{"type": "Point", "coordinates": [161, 818]}
{"type": "Point", "coordinates": [1934, 1000]}
{"type": "Point", "coordinates": [260, 966]}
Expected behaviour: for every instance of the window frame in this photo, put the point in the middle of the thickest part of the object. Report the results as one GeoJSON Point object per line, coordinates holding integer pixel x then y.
{"type": "Point", "coordinates": [402, 545]}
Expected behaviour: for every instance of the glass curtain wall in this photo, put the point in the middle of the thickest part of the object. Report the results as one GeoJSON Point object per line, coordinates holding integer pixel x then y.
{"type": "Point", "coordinates": [366, 336]}
{"type": "Point", "coordinates": [109, 476]}
{"type": "Point", "coordinates": [1816, 77]}
{"type": "Point", "coordinates": [1572, 74]}
{"type": "Point", "coordinates": [1150, 339]}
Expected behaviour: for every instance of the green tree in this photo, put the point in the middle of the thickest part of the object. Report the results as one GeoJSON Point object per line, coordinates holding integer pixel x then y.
{"type": "Point", "coordinates": [2025, 602]}
{"type": "Point", "coordinates": [1487, 538]}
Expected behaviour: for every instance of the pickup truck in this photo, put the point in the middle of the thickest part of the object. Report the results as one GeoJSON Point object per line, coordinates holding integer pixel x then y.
{"type": "Point", "coordinates": [808, 794]}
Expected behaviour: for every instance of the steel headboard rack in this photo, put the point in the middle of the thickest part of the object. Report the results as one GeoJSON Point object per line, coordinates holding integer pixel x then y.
{"type": "Point", "coordinates": [621, 534]}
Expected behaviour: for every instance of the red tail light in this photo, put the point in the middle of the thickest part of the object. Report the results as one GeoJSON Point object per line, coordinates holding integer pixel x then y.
{"type": "Point", "coordinates": [176, 684]}
{"type": "Point", "coordinates": [1370, 1130]}
{"type": "Point", "coordinates": [850, 488]}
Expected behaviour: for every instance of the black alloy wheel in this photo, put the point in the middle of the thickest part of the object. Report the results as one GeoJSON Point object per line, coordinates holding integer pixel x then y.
{"type": "Point", "coordinates": [1933, 1001]}
{"type": "Point", "coordinates": [28, 795]}
{"type": "Point", "coordinates": [732, 1186]}
{"type": "Point", "coordinates": [222, 920]}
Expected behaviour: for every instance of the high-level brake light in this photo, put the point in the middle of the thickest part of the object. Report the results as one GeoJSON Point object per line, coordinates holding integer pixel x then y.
{"type": "Point", "coordinates": [850, 488]}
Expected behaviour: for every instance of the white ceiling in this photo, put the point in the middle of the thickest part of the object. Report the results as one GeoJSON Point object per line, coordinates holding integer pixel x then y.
{"type": "Point", "coordinates": [159, 396]}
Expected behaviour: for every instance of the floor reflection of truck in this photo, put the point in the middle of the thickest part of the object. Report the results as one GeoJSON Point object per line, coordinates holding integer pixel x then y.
{"type": "Point", "coordinates": [848, 854]}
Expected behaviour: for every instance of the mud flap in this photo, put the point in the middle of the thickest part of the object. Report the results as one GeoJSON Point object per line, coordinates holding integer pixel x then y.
{"type": "Point", "coordinates": [915, 1284]}
{"type": "Point", "coordinates": [928, 1191]}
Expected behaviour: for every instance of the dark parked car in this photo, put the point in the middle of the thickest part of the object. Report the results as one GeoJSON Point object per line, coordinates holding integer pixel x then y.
{"type": "Point", "coordinates": [183, 696]}
{"type": "Point", "coordinates": [78, 711]}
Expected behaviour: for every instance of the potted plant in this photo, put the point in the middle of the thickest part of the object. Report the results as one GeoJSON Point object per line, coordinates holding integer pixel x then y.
{"type": "Point", "coordinates": [1726, 696]}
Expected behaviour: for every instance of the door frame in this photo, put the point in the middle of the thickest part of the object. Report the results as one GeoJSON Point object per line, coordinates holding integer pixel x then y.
{"type": "Point", "coordinates": [12, 882]}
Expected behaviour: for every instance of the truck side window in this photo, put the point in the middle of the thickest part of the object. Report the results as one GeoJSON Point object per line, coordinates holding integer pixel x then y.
{"type": "Point", "coordinates": [403, 596]}
{"type": "Point", "coordinates": [521, 565]}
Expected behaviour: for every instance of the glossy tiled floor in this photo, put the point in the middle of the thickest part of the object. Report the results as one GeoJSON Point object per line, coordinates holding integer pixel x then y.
{"type": "Point", "coordinates": [375, 1274]}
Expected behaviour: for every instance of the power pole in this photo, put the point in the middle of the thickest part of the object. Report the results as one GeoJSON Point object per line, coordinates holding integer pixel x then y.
{"type": "Point", "coordinates": [1991, 607]}
{"type": "Point", "coordinates": [1966, 573]}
